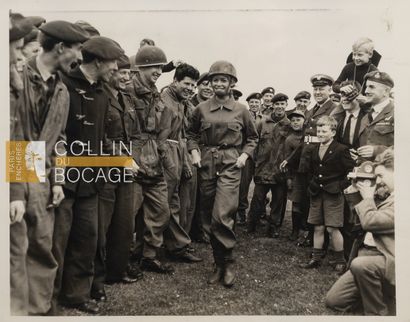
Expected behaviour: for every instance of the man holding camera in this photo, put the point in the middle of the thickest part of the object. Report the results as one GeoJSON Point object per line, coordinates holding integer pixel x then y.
{"type": "Point", "coordinates": [372, 274]}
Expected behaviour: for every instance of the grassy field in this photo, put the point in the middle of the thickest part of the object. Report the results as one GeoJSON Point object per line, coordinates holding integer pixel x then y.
{"type": "Point", "coordinates": [269, 282]}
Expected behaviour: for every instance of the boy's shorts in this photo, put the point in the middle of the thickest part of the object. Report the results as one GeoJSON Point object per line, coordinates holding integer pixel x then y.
{"type": "Point", "coordinates": [326, 209]}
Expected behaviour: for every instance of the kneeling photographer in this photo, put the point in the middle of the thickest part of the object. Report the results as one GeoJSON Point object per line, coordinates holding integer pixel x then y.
{"type": "Point", "coordinates": [371, 277]}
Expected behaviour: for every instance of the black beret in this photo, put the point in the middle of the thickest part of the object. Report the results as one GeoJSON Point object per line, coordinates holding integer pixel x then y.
{"type": "Point", "coordinates": [280, 97]}
{"type": "Point", "coordinates": [257, 96]}
{"type": "Point", "coordinates": [302, 94]}
{"type": "Point", "coordinates": [19, 29]}
{"type": "Point", "coordinates": [236, 92]}
{"type": "Point", "coordinates": [123, 62]}
{"type": "Point", "coordinates": [268, 90]}
{"type": "Point", "coordinates": [296, 113]}
{"type": "Point", "coordinates": [380, 77]}
{"type": "Point", "coordinates": [65, 31]}
{"type": "Point", "coordinates": [321, 80]}
{"type": "Point", "coordinates": [90, 30]}
{"type": "Point", "coordinates": [203, 77]}
{"type": "Point", "coordinates": [103, 47]}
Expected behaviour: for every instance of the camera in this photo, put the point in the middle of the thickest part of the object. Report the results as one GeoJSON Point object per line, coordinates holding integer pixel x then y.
{"type": "Point", "coordinates": [363, 173]}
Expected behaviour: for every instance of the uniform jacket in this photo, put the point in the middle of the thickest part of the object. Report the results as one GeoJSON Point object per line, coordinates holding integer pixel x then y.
{"type": "Point", "coordinates": [88, 110]}
{"type": "Point", "coordinates": [51, 127]}
{"type": "Point", "coordinates": [380, 222]}
{"type": "Point", "coordinates": [270, 149]}
{"type": "Point", "coordinates": [329, 174]}
{"type": "Point", "coordinates": [149, 145]}
{"type": "Point", "coordinates": [221, 133]}
{"type": "Point", "coordinates": [311, 118]}
{"type": "Point", "coordinates": [120, 124]}
{"type": "Point", "coordinates": [379, 132]}
{"type": "Point", "coordinates": [177, 116]}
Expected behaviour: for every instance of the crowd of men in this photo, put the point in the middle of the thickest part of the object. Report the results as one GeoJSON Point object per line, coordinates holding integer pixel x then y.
{"type": "Point", "coordinates": [195, 151]}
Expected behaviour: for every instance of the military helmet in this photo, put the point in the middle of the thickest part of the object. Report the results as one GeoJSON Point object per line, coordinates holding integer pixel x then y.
{"type": "Point", "coordinates": [150, 56]}
{"type": "Point", "coordinates": [223, 67]}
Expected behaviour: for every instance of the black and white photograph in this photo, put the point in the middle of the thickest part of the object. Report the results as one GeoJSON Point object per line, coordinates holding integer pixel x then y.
{"type": "Point", "coordinates": [175, 158]}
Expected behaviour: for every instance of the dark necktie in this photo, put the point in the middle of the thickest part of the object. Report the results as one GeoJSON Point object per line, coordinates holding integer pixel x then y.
{"type": "Point", "coordinates": [371, 115]}
{"type": "Point", "coordinates": [346, 133]}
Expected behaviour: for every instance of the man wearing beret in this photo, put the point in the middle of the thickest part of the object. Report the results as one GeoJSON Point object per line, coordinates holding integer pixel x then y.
{"type": "Point", "coordinates": [254, 104]}
{"type": "Point", "coordinates": [379, 133]}
{"type": "Point", "coordinates": [267, 105]}
{"type": "Point", "coordinates": [204, 90]}
{"type": "Point", "coordinates": [116, 199]}
{"type": "Point", "coordinates": [45, 112]}
{"type": "Point", "coordinates": [76, 226]}
{"type": "Point", "coordinates": [273, 130]}
{"type": "Point", "coordinates": [149, 147]}
{"type": "Point", "coordinates": [302, 100]}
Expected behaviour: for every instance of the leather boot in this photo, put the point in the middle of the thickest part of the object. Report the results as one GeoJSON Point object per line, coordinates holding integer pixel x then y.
{"type": "Point", "coordinates": [229, 275]}
{"type": "Point", "coordinates": [216, 275]}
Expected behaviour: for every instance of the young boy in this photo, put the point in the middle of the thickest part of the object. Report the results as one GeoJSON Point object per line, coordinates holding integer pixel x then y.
{"type": "Point", "coordinates": [329, 164]}
{"type": "Point", "coordinates": [362, 52]}
{"type": "Point", "coordinates": [296, 193]}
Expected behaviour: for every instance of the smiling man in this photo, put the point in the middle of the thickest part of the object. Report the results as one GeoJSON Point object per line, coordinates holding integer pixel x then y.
{"type": "Point", "coordinates": [176, 98]}
{"type": "Point", "coordinates": [76, 225]}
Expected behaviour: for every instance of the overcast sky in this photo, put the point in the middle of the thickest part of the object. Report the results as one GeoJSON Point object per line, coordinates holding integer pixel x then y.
{"type": "Point", "coordinates": [269, 45]}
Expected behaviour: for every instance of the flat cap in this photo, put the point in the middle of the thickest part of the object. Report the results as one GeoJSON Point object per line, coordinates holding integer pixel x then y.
{"type": "Point", "coordinates": [280, 97]}
{"type": "Point", "coordinates": [321, 80]}
{"type": "Point", "coordinates": [19, 29]}
{"type": "Point", "coordinates": [257, 96]}
{"type": "Point", "coordinates": [302, 94]}
{"type": "Point", "coordinates": [90, 30]}
{"type": "Point", "coordinates": [123, 62]}
{"type": "Point", "coordinates": [103, 47]}
{"type": "Point", "coordinates": [380, 77]}
{"type": "Point", "coordinates": [352, 94]}
{"type": "Point", "coordinates": [65, 31]}
{"type": "Point", "coordinates": [203, 77]}
{"type": "Point", "coordinates": [296, 113]}
{"type": "Point", "coordinates": [36, 21]}
{"type": "Point", "coordinates": [268, 90]}
{"type": "Point", "coordinates": [236, 92]}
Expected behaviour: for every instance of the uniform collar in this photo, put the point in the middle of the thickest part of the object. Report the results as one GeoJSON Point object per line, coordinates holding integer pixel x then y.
{"type": "Point", "coordinates": [379, 107]}
{"type": "Point", "coordinates": [229, 104]}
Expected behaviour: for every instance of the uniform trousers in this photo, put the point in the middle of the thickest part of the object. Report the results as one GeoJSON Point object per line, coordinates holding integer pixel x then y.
{"type": "Point", "coordinates": [75, 246]}
{"type": "Point", "coordinates": [176, 238]}
{"type": "Point", "coordinates": [32, 264]}
{"type": "Point", "coordinates": [277, 204]}
{"type": "Point", "coordinates": [219, 203]}
{"type": "Point", "coordinates": [151, 206]}
{"type": "Point", "coordinates": [364, 282]}
{"type": "Point", "coordinates": [115, 231]}
{"type": "Point", "coordinates": [246, 179]}
{"type": "Point", "coordinates": [187, 196]}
